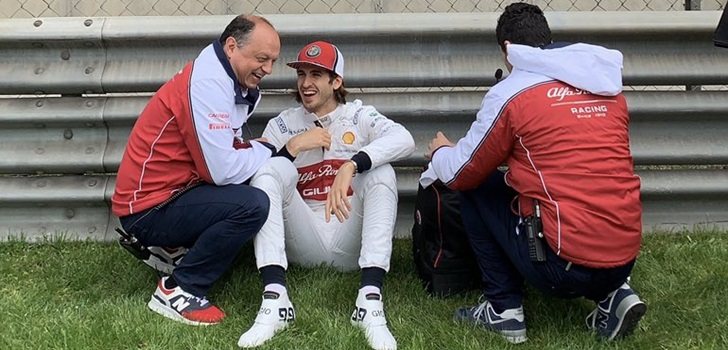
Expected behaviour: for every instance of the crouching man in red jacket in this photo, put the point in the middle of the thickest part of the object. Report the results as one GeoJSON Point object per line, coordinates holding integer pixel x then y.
{"type": "Point", "coordinates": [566, 215]}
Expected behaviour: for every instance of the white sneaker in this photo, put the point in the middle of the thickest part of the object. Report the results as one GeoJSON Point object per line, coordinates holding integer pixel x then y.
{"type": "Point", "coordinates": [273, 316]}
{"type": "Point", "coordinates": [369, 315]}
{"type": "Point", "coordinates": [164, 259]}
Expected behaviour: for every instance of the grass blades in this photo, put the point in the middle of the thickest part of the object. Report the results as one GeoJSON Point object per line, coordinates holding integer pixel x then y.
{"type": "Point", "coordinates": [88, 295]}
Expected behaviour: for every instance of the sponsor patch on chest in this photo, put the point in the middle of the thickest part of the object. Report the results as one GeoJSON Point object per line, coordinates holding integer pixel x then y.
{"type": "Point", "coordinates": [315, 180]}
{"type": "Point", "coordinates": [348, 138]}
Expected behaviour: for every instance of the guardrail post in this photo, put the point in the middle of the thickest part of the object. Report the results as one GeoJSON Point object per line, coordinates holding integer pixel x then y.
{"type": "Point", "coordinates": [692, 5]}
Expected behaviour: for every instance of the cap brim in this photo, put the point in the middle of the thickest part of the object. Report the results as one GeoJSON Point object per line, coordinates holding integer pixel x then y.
{"type": "Point", "coordinates": [297, 64]}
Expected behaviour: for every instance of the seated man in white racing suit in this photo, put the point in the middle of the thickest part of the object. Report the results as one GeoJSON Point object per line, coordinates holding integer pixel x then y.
{"type": "Point", "coordinates": [336, 202]}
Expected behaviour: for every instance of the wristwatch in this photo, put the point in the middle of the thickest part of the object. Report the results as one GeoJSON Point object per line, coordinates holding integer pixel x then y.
{"type": "Point", "coordinates": [356, 168]}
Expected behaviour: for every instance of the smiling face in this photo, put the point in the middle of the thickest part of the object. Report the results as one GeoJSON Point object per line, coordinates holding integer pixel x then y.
{"type": "Point", "coordinates": [316, 88]}
{"type": "Point", "coordinates": [254, 59]}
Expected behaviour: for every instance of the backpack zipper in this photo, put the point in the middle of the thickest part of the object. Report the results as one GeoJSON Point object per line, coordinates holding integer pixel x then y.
{"type": "Point", "coordinates": [439, 227]}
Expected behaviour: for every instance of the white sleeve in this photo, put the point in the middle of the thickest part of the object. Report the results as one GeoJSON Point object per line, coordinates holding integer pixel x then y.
{"type": "Point", "coordinates": [276, 131]}
{"type": "Point", "coordinates": [213, 108]}
{"type": "Point", "coordinates": [484, 147]}
{"type": "Point", "coordinates": [428, 176]}
{"type": "Point", "coordinates": [389, 141]}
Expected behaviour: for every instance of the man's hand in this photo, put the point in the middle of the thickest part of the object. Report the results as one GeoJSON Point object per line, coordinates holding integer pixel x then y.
{"type": "Point", "coordinates": [439, 141]}
{"type": "Point", "coordinates": [239, 143]}
{"type": "Point", "coordinates": [311, 139]}
{"type": "Point", "coordinates": [337, 202]}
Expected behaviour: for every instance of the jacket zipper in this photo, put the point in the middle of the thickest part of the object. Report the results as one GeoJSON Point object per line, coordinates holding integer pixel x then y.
{"type": "Point", "coordinates": [176, 195]}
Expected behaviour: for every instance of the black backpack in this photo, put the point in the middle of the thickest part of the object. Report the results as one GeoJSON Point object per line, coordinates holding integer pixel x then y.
{"type": "Point", "coordinates": [720, 37]}
{"type": "Point", "coordinates": [442, 255]}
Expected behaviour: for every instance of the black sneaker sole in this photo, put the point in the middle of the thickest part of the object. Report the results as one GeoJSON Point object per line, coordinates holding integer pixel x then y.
{"type": "Point", "coordinates": [630, 321]}
{"type": "Point", "coordinates": [512, 336]}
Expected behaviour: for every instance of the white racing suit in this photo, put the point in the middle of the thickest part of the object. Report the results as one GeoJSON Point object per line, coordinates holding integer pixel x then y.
{"type": "Point", "coordinates": [296, 228]}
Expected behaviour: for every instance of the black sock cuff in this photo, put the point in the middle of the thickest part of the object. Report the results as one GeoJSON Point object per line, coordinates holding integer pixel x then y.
{"type": "Point", "coordinates": [273, 274]}
{"type": "Point", "coordinates": [372, 276]}
{"type": "Point", "coordinates": [170, 283]}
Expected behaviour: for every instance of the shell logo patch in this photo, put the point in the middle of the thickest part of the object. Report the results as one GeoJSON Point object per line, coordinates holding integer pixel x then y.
{"type": "Point", "coordinates": [348, 137]}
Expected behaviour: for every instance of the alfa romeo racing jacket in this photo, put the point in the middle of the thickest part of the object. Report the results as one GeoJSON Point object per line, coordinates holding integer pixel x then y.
{"type": "Point", "coordinates": [354, 128]}
{"type": "Point", "coordinates": [560, 123]}
{"type": "Point", "coordinates": [190, 131]}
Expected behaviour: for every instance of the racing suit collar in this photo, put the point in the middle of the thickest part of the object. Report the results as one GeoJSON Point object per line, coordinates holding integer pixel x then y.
{"type": "Point", "coordinates": [326, 120]}
{"type": "Point", "coordinates": [243, 96]}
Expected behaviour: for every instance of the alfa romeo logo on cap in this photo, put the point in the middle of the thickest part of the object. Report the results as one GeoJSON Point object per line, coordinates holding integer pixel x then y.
{"type": "Point", "coordinates": [313, 51]}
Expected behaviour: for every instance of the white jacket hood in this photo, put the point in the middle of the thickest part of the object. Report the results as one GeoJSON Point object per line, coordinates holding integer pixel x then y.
{"type": "Point", "coordinates": [588, 67]}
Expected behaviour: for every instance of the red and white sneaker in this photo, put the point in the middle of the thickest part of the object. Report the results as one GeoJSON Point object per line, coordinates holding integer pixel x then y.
{"type": "Point", "coordinates": [184, 307]}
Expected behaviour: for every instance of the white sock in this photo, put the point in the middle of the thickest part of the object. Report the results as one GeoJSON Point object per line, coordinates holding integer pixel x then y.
{"type": "Point", "coordinates": [275, 288]}
{"type": "Point", "coordinates": [274, 315]}
{"type": "Point", "coordinates": [369, 315]}
{"type": "Point", "coordinates": [366, 290]}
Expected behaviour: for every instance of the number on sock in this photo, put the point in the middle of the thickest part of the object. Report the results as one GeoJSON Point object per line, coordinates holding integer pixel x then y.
{"type": "Point", "coordinates": [359, 314]}
{"type": "Point", "coordinates": [286, 314]}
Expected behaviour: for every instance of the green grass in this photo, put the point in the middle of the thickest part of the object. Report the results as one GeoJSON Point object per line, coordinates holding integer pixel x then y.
{"type": "Point", "coordinates": [66, 295]}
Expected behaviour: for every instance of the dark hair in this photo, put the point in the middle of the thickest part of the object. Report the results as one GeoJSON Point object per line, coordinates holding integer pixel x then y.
{"type": "Point", "coordinates": [524, 24]}
{"type": "Point", "coordinates": [240, 27]}
{"type": "Point", "coordinates": [339, 94]}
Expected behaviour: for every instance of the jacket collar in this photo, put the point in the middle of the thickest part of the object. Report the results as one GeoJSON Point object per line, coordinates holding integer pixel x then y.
{"type": "Point", "coordinates": [242, 96]}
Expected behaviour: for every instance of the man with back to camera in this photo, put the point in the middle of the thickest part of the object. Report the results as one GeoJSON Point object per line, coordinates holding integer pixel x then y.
{"type": "Point", "coordinates": [181, 182]}
{"type": "Point", "coordinates": [720, 36]}
{"type": "Point", "coordinates": [340, 155]}
{"type": "Point", "coordinates": [566, 216]}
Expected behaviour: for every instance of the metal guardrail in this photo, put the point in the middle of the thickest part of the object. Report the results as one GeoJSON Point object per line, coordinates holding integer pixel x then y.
{"type": "Point", "coordinates": [76, 205]}
{"type": "Point", "coordinates": [58, 153]}
{"type": "Point", "coordinates": [123, 54]}
{"type": "Point", "coordinates": [78, 135]}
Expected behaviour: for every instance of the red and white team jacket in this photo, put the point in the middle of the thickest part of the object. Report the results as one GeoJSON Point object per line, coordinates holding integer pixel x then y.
{"type": "Point", "coordinates": [560, 123]}
{"type": "Point", "coordinates": [353, 127]}
{"type": "Point", "coordinates": [186, 134]}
